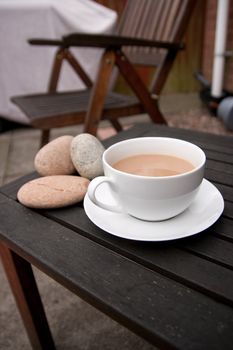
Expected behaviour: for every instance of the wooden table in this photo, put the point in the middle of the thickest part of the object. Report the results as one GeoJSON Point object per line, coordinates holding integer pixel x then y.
{"type": "Point", "coordinates": [176, 294]}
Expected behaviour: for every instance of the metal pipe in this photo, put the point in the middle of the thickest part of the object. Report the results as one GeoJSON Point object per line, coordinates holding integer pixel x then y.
{"type": "Point", "coordinates": [220, 47]}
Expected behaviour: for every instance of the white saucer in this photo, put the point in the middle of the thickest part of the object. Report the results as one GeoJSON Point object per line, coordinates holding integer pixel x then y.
{"type": "Point", "coordinates": [202, 213]}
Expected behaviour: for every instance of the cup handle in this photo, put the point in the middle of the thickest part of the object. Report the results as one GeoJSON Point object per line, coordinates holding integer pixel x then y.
{"type": "Point", "coordinates": [94, 184]}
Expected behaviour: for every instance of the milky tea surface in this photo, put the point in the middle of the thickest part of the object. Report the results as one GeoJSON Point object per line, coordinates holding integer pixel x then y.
{"type": "Point", "coordinates": [153, 165]}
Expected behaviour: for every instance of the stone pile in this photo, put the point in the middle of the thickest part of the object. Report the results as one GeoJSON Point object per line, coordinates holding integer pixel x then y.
{"type": "Point", "coordinates": [66, 166]}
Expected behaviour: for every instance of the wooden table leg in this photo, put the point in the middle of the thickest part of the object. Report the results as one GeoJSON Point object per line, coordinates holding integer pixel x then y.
{"type": "Point", "coordinates": [23, 285]}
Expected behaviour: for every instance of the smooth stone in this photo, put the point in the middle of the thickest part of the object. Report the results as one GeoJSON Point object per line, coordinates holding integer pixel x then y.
{"type": "Point", "coordinates": [53, 191]}
{"type": "Point", "coordinates": [54, 158]}
{"type": "Point", "coordinates": [86, 154]}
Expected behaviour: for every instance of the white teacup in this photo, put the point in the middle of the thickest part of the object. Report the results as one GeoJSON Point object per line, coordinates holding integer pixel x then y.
{"type": "Point", "coordinates": [152, 198]}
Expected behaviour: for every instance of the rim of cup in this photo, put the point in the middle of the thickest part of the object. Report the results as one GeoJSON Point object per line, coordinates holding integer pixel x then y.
{"type": "Point", "coordinates": [150, 178]}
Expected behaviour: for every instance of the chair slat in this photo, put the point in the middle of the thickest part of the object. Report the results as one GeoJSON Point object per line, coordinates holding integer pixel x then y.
{"type": "Point", "coordinates": [151, 19]}
{"type": "Point", "coordinates": [172, 15]}
{"type": "Point", "coordinates": [44, 105]}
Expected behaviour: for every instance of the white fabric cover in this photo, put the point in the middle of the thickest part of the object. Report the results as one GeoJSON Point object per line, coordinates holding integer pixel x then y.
{"type": "Point", "coordinates": [25, 68]}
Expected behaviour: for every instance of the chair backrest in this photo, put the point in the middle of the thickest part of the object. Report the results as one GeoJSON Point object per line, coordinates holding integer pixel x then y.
{"type": "Point", "coordinates": [161, 20]}
{"type": "Point", "coordinates": [154, 19]}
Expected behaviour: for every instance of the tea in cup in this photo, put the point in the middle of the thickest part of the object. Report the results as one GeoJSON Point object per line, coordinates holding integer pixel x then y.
{"type": "Point", "coordinates": [151, 178]}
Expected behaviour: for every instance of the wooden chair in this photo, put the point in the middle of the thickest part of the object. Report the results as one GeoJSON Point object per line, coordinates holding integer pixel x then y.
{"type": "Point", "coordinates": [149, 33]}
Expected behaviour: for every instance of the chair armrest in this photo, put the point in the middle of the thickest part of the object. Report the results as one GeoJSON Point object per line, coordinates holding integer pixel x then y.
{"type": "Point", "coordinates": [113, 41]}
{"type": "Point", "coordinates": [104, 41]}
{"type": "Point", "coordinates": [46, 42]}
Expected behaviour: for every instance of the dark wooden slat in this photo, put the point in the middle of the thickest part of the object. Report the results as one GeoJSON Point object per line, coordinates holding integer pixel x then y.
{"type": "Point", "coordinates": [45, 105]}
{"type": "Point", "coordinates": [226, 191]}
{"type": "Point", "coordinates": [219, 156]}
{"type": "Point", "coordinates": [153, 254]}
{"type": "Point", "coordinates": [223, 227]}
{"type": "Point", "coordinates": [218, 148]}
{"type": "Point", "coordinates": [162, 316]}
{"type": "Point", "coordinates": [225, 168]}
{"type": "Point", "coordinates": [207, 145]}
{"type": "Point", "coordinates": [210, 247]}
{"type": "Point", "coordinates": [228, 210]}
{"type": "Point", "coordinates": [219, 177]}
{"type": "Point", "coordinates": [213, 142]}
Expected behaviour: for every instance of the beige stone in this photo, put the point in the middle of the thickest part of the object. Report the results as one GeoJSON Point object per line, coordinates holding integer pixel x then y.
{"type": "Point", "coordinates": [53, 191]}
{"type": "Point", "coordinates": [54, 158]}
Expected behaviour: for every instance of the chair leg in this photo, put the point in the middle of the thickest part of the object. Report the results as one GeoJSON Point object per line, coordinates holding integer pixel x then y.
{"type": "Point", "coordinates": [137, 85]}
{"type": "Point", "coordinates": [99, 92]}
{"type": "Point", "coordinates": [116, 124]}
{"type": "Point", "coordinates": [56, 69]}
{"type": "Point", "coordinates": [45, 134]}
{"type": "Point", "coordinates": [23, 285]}
{"type": "Point", "coordinates": [78, 68]}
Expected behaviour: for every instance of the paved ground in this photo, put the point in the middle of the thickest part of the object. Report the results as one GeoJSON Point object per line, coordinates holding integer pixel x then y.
{"type": "Point", "coordinates": [75, 324]}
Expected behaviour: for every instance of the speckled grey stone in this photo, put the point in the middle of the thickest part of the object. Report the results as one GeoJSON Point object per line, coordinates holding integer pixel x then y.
{"type": "Point", "coordinates": [86, 154]}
